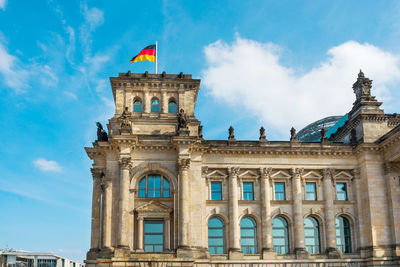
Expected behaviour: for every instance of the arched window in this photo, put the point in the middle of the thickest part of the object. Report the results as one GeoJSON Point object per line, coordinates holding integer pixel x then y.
{"type": "Point", "coordinates": [280, 235]}
{"type": "Point", "coordinates": [311, 233]}
{"type": "Point", "coordinates": [343, 234]}
{"type": "Point", "coordinates": [154, 185]}
{"type": "Point", "coordinates": [155, 105]}
{"type": "Point", "coordinates": [216, 236]}
{"type": "Point", "coordinates": [248, 235]}
{"type": "Point", "coordinates": [172, 107]}
{"type": "Point", "coordinates": [137, 106]}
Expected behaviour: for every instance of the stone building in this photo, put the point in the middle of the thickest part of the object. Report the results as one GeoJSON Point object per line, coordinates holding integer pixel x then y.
{"type": "Point", "coordinates": [164, 195]}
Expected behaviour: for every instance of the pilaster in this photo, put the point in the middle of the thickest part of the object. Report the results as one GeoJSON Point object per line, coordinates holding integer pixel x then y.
{"type": "Point", "coordinates": [267, 245]}
{"type": "Point", "coordinates": [125, 166]}
{"type": "Point", "coordinates": [234, 230]}
{"type": "Point", "coordinates": [98, 174]}
{"type": "Point", "coordinates": [183, 220]}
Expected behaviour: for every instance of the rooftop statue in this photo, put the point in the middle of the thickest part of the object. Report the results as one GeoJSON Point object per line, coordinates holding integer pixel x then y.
{"type": "Point", "coordinates": [182, 119]}
{"type": "Point", "coordinates": [101, 134]}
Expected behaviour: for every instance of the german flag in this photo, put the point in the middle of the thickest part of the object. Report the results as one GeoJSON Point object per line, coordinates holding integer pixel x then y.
{"type": "Point", "coordinates": [148, 53]}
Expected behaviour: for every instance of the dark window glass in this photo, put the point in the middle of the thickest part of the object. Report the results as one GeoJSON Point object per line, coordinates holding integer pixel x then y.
{"type": "Point", "coordinates": [154, 186]}
{"type": "Point", "coordinates": [137, 106]}
{"type": "Point", "coordinates": [341, 190]}
{"type": "Point", "coordinates": [248, 235]}
{"type": "Point", "coordinates": [172, 107]}
{"type": "Point", "coordinates": [311, 191]}
{"type": "Point", "coordinates": [311, 233]}
{"type": "Point", "coordinates": [280, 234]}
{"type": "Point", "coordinates": [280, 191]}
{"type": "Point", "coordinates": [248, 191]}
{"type": "Point", "coordinates": [155, 105]}
{"type": "Point", "coordinates": [46, 263]}
{"type": "Point", "coordinates": [216, 236]}
{"type": "Point", "coordinates": [343, 235]}
{"type": "Point", "coordinates": [153, 236]}
{"type": "Point", "coordinates": [216, 191]}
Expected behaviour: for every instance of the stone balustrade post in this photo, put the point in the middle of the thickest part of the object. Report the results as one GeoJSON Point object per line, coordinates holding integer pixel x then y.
{"type": "Point", "coordinates": [184, 204]}
{"type": "Point", "coordinates": [234, 229]}
{"type": "Point", "coordinates": [267, 245]}
{"type": "Point", "coordinates": [98, 174]}
{"type": "Point", "coordinates": [331, 249]}
{"type": "Point", "coordinates": [125, 165]}
{"type": "Point", "coordinates": [298, 222]}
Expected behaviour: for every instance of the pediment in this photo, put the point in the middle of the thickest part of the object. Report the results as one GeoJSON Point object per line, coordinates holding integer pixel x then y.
{"type": "Point", "coordinates": [154, 206]}
{"type": "Point", "coordinates": [312, 175]}
{"type": "Point", "coordinates": [249, 174]}
{"type": "Point", "coordinates": [343, 175]}
{"type": "Point", "coordinates": [281, 174]}
{"type": "Point", "coordinates": [217, 174]}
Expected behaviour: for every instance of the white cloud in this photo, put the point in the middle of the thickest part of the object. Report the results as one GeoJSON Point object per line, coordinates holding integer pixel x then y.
{"type": "Point", "coordinates": [47, 165]}
{"type": "Point", "coordinates": [94, 17]}
{"type": "Point", "coordinates": [248, 74]}
{"type": "Point", "coordinates": [71, 95]}
{"type": "Point", "coordinates": [3, 4]}
{"type": "Point", "coordinates": [13, 76]}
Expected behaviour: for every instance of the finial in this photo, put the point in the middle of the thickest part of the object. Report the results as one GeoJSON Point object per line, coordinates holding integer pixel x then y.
{"type": "Point", "coordinates": [361, 74]}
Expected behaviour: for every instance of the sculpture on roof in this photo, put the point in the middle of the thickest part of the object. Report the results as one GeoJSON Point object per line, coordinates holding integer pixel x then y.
{"type": "Point", "coordinates": [101, 134]}
{"type": "Point", "coordinates": [231, 134]}
{"type": "Point", "coordinates": [293, 136]}
{"type": "Point", "coordinates": [262, 134]}
{"type": "Point", "coordinates": [362, 87]}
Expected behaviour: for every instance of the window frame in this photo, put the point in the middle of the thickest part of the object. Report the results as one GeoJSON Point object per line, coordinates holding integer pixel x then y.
{"type": "Point", "coordinates": [153, 234]}
{"type": "Point", "coordinates": [255, 246]}
{"type": "Point", "coordinates": [346, 237]}
{"type": "Point", "coordinates": [172, 100]}
{"type": "Point", "coordinates": [141, 105]}
{"type": "Point", "coordinates": [315, 191]}
{"type": "Point", "coordinates": [216, 237]}
{"type": "Point", "coordinates": [317, 231]}
{"type": "Point", "coordinates": [146, 188]}
{"type": "Point", "coordinates": [286, 237]}
{"type": "Point", "coordinates": [155, 105]}
{"type": "Point", "coordinates": [284, 190]}
{"type": "Point", "coordinates": [345, 190]}
{"type": "Point", "coordinates": [211, 190]}
{"type": "Point", "coordinates": [251, 192]}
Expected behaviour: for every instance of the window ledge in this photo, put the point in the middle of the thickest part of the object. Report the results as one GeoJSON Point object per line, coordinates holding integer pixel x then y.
{"type": "Point", "coordinates": [344, 202]}
{"type": "Point", "coordinates": [313, 202]}
{"type": "Point", "coordinates": [216, 201]}
{"type": "Point", "coordinates": [281, 201]}
{"type": "Point", "coordinates": [242, 201]}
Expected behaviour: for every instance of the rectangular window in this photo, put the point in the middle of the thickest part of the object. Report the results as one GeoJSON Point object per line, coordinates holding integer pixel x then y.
{"type": "Point", "coordinates": [153, 236]}
{"type": "Point", "coordinates": [341, 190]}
{"type": "Point", "coordinates": [46, 263]}
{"type": "Point", "coordinates": [280, 191]}
{"type": "Point", "coordinates": [311, 191]}
{"type": "Point", "coordinates": [216, 191]}
{"type": "Point", "coordinates": [248, 191]}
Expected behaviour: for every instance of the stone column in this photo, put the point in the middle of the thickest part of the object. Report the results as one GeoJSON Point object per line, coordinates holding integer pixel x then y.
{"type": "Point", "coordinates": [107, 207]}
{"type": "Point", "coordinates": [267, 245]}
{"type": "Point", "coordinates": [140, 234]}
{"type": "Point", "coordinates": [125, 165]}
{"type": "Point", "coordinates": [298, 222]}
{"type": "Point", "coordinates": [164, 103]}
{"type": "Point", "coordinates": [97, 174]}
{"type": "Point", "coordinates": [234, 230]}
{"type": "Point", "coordinates": [331, 248]}
{"type": "Point", "coordinates": [184, 203]}
{"type": "Point", "coordinates": [146, 102]}
{"type": "Point", "coordinates": [167, 234]}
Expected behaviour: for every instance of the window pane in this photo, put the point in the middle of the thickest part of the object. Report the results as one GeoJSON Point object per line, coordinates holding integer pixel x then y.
{"type": "Point", "coordinates": [172, 107]}
{"type": "Point", "coordinates": [215, 222]}
{"type": "Point", "coordinates": [153, 227]}
{"type": "Point", "coordinates": [248, 235]}
{"type": "Point", "coordinates": [341, 191]}
{"type": "Point", "coordinates": [216, 191]}
{"type": "Point", "coordinates": [311, 191]}
{"type": "Point", "coordinates": [279, 191]}
{"type": "Point", "coordinates": [248, 191]}
{"type": "Point", "coordinates": [311, 231]}
{"type": "Point", "coordinates": [137, 106]}
{"type": "Point", "coordinates": [155, 106]}
{"type": "Point", "coordinates": [280, 235]}
{"type": "Point", "coordinates": [216, 186]}
{"type": "Point", "coordinates": [216, 236]}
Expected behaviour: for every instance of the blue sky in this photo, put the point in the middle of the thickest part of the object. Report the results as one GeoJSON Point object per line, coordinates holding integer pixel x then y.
{"type": "Point", "coordinates": [272, 63]}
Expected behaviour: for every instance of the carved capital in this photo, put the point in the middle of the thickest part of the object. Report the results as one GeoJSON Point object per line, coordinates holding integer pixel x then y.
{"type": "Point", "coordinates": [125, 163]}
{"type": "Point", "coordinates": [233, 171]}
{"type": "Point", "coordinates": [183, 164]}
{"type": "Point", "coordinates": [356, 173]}
{"type": "Point", "coordinates": [97, 173]}
{"type": "Point", "coordinates": [204, 170]}
{"type": "Point", "coordinates": [266, 172]}
{"type": "Point", "coordinates": [105, 183]}
{"type": "Point", "coordinates": [327, 173]}
{"type": "Point", "coordinates": [297, 172]}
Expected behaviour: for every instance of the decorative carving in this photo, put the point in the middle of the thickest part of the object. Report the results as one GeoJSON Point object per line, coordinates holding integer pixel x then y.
{"type": "Point", "coordinates": [200, 131]}
{"type": "Point", "coordinates": [125, 163]}
{"type": "Point", "coordinates": [297, 172]}
{"type": "Point", "coordinates": [97, 173]}
{"type": "Point", "coordinates": [356, 173]}
{"type": "Point", "coordinates": [327, 173]}
{"type": "Point", "coordinates": [125, 122]}
{"type": "Point", "coordinates": [262, 134]}
{"type": "Point", "coordinates": [362, 87]}
{"type": "Point", "coordinates": [154, 206]}
{"type": "Point", "coordinates": [233, 171]}
{"type": "Point", "coordinates": [293, 136]}
{"type": "Point", "coordinates": [231, 133]}
{"type": "Point", "coordinates": [105, 183]}
{"type": "Point", "coordinates": [101, 134]}
{"type": "Point", "coordinates": [204, 170]}
{"type": "Point", "coordinates": [183, 164]}
{"type": "Point", "coordinates": [182, 119]}
{"type": "Point", "coordinates": [266, 172]}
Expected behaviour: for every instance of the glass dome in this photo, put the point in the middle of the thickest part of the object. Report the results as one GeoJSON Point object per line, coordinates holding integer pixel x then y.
{"type": "Point", "coordinates": [312, 132]}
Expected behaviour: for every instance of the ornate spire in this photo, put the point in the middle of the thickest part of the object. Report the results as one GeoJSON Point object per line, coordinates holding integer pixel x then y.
{"type": "Point", "coordinates": [362, 87]}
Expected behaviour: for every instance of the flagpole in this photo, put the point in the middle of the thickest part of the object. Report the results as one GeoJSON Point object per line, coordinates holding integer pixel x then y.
{"type": "Point", "coordinates": [156, 57]}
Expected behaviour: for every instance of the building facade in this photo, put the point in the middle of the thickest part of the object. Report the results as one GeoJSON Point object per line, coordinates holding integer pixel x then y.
{"type": "Point", "coordinates": [20, 258]}
{"type": "Point", "coordinates": [164, 195]}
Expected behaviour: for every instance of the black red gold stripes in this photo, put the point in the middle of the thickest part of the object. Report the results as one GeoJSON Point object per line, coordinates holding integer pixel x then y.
{"type": "Point", "coordinates": [148, 53]}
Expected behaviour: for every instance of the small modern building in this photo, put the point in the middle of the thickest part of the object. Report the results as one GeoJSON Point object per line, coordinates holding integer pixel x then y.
{"type": "Point", "coordinates": [20, 258]}
{"type": "Point", "coordinates": [165, 196]}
